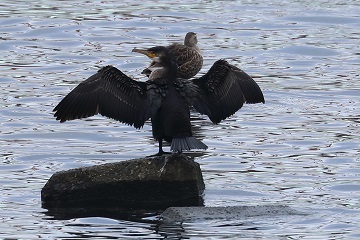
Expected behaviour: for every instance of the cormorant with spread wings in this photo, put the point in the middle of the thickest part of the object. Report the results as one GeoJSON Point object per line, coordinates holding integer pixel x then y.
{"type": "Point", "coordinates": [165, 100]}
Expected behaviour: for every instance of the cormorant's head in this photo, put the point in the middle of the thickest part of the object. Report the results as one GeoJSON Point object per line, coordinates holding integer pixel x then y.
{"type": "Point", "coordinates": [157, 54]}
{"type": "Point", "coordinates": [190, 39]}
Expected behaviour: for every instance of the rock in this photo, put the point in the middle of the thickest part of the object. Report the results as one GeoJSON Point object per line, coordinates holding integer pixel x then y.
{"type": "Point", "coordinates": [151, 182]}
{"type": "Point", "coordinates": [188, 214]}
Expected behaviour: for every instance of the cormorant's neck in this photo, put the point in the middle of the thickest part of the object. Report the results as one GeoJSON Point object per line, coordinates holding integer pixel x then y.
{"type": "Point", "coordinates": [171, 68]}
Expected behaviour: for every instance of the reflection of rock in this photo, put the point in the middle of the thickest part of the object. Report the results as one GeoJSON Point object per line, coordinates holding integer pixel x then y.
{"type": "Point", "coordinates": [152, 182]}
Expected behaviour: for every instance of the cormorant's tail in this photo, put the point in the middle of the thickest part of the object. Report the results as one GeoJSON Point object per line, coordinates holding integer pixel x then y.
{"type": "Point", "coordinates": [186, 144]}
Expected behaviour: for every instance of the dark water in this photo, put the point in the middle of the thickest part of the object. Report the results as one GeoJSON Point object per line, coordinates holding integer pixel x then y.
{"type": "Point", "coordinates": [301, 148]}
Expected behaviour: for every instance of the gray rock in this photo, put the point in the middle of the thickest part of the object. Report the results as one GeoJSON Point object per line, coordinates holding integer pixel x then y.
{"type": "Point", "coordinates": [151, 182]}
{"type": "Point", "coordinates": [181, 214]}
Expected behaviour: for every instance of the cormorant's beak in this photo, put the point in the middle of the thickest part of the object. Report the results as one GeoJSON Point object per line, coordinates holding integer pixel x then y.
{"type": "Point", "coordinates": [152, 55]}
{"type": "Point", "coordinates": [146, 52]}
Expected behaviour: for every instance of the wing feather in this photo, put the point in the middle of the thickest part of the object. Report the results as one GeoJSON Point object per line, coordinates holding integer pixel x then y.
{"type": "Point", "coordinates": [108, 92]}
{"type": "Point", "coordinates": [224, 89]}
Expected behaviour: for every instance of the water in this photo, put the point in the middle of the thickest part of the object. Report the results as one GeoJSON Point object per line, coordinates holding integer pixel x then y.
{"type": "Point", "coordinates": [300, 149]}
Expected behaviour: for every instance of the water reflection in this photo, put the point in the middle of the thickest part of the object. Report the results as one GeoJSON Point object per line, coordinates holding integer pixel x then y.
{"type": "Point", "coordinates": [135, 215]}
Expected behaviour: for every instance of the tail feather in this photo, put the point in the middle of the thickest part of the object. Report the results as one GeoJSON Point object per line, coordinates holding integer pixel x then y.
{"type": "Point", "coordinates": [186, 144]}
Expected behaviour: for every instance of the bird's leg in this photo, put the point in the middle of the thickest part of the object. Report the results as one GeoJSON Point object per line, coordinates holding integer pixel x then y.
{"type": "Point", "coordinates": [161, 151]}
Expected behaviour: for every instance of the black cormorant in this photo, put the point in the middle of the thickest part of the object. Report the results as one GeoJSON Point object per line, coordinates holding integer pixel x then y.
{"type": "Point", "coordinates": [187, 56]}
{"type": "Point", "coordinates": [166, 100]}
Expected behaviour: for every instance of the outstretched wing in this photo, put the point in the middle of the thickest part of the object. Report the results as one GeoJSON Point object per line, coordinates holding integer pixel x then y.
{"type": "Point", "coordinates": [108, 92]}
{"type": "Point", "coordinates": [224, 89]}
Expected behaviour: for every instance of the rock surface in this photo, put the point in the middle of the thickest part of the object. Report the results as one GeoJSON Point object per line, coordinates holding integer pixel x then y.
{"type": "Point", "coordinates": [188, 214]}
{"type": "Point", "coordinates": [151, 182]}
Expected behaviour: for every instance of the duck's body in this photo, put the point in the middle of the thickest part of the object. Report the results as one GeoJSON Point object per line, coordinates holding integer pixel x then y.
{"type": "Point", "coordinates": [187, 56]}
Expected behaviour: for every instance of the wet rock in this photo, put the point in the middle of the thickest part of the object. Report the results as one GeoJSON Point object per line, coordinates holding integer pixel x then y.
{"type": "Point", "coordinates": [152, 182]}
{"type": "Point", "coordinates": [181, 214]}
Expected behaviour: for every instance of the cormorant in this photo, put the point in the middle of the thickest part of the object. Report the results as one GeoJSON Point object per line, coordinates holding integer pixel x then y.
{"type": "Point", "coordinates": [166, 100]}
{"type": "Point", "coordinates": [187, 56]}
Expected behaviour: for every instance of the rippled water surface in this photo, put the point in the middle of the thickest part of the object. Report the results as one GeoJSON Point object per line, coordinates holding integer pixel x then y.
{"type": "Point", "coordinates": [300, 149]}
